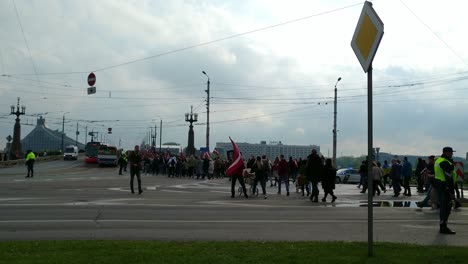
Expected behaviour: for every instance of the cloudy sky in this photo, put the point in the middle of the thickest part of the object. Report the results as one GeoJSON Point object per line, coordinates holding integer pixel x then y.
{"type": "Point", "coordinates": [272, 65]}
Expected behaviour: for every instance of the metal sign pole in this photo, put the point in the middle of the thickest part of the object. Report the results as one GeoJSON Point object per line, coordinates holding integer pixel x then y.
{"type": "Point", "coordinates": [370, 180]}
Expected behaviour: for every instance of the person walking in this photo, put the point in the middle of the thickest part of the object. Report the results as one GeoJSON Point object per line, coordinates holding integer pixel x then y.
{"type": "Point", "coordinates": [395, 176]}
{"type": "Point", "coordinates": [30, 159]}
{"type": "Point", "coordinates": [259, 170]}
{"type": "Point", "coordinates": [135, 158]}
{"type": "Point", "coordinates": [314, 170]}
{"type": "Point", "coordinates": [377, 174]}
{"type": "Point", "coordinates": [427, 177]}
{"type": "Point", "coordinates": [420, 166]}
{"type": "Point", "coordinates": [407, 170]}
{"type": "Point", "coordinates": [364, 176]}
{"type": "Point", "coordinates": [386, 169]}
{"type": "Point", "coordinates": [328, 180]}
{"type": "Point", "coordinates": [445, 179]}
{"type": "Point", "coordinates": [283, 171]}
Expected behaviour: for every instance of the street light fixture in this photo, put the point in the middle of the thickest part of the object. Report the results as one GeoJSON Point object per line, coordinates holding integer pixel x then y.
{"type": "Point", "coordinates": [334, 123]}
{"type": "Point", "coordinates": [207, 112]}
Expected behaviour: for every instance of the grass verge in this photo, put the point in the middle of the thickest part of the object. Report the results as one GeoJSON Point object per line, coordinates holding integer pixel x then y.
{"type": "Point", "coordinates": [223, 252]}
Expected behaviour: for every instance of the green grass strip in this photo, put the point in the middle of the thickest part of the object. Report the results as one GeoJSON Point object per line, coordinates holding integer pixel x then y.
{"type": "Point", "coordinates": [114, 252]}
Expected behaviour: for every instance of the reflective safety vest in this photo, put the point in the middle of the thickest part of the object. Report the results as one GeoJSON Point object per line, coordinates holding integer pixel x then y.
{"type": "Point", "coordinates": [439, 172]}
{"type": "Point", "coordinates": [30, 156]}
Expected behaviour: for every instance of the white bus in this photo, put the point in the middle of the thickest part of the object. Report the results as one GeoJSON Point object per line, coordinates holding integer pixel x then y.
{"type": "Point", "coordinates": [107, 155]}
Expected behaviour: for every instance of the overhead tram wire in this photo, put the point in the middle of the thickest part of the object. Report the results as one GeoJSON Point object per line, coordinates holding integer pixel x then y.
{"type": "Point", "coordinates": [435, 34]}
{"type": "Point", "coordinates": [27, 44]}
{"type": "Point", "coordinates": [200, 44]}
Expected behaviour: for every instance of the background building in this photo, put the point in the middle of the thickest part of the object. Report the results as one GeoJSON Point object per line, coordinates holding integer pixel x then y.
{"type": "Point", "coordinates": [42, 138]}
{"type": "Point", "coordinates": [272, 150]}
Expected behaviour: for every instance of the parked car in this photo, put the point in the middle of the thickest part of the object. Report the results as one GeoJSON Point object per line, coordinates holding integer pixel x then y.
{"type": "Point", "coordinates": [349, 175]}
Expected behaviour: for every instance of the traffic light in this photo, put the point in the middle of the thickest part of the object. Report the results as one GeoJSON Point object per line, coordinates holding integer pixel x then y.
{"type": "Point", "coordinates": [109, 130]}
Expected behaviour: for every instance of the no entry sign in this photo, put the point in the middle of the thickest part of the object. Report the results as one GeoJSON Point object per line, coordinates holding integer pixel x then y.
{"type": "Point", "coordinates": [91, 79]}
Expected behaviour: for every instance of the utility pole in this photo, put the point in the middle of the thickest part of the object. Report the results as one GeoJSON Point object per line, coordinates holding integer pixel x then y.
{"type": "Point", "coordinates": [86, 135]}
{"type": "Point", "coordinates": [160, 136]}
{"type": "Point", "coordinates": [334, 124]}
{"type": "Point", "coordinates": [207, 112]}
{"type": "Point", "coordinates": [77, 133]}
{"type": "Point", "coordinates": [63, 130]}
{"type": "Point", "coordinates": [155, 136]}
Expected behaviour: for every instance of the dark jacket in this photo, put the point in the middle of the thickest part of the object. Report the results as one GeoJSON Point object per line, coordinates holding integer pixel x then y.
{"type": "Point", "coordinates": [258, 170]}
{"type": "Point", "coordinates": [395, 172]}
{"type": "Point", "coordinates": [328, 180]}
{"type": "Point", "coordinates": [135, 160]}
{"type": "Point", "coordinates": [314, 167]}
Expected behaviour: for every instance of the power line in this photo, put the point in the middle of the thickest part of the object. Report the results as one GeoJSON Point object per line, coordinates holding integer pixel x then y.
{"type": "Point", "coordinates": [203, 43]}
{"type": "Point", "coordinates": [435, 34]}
{"type": "Point", "coordinates": [26, 42]}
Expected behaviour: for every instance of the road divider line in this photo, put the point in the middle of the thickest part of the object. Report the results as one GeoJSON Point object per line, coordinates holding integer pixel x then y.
{"type": "Point", "coordinates": [175, 191]}
{"type": "Point", "coordinates": [251, 221]}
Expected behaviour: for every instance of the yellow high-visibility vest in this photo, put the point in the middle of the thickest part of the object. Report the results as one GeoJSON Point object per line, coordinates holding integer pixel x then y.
{"type": "Point", "coordinates": [439, 173]}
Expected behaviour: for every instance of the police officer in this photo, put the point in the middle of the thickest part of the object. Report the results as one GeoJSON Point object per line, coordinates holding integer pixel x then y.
{"type": "Point", "coordinates": [30, 159]}
{"type": "Point", "coordinates": [122, 162]}
{"type": "Point", "coordinates": [445, 177]}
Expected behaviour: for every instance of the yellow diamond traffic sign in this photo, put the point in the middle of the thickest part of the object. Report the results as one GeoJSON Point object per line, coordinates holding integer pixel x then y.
{"type": "Point", "coordinates": [367, 36]}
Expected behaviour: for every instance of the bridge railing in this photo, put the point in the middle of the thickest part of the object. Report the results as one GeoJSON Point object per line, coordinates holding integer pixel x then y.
{"type": "Point", "coordinates": [11, 163]}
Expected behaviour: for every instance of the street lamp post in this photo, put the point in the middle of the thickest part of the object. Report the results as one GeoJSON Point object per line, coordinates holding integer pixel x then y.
{"type": "Point", "coordinates": [207, 112]}
{"type": "Point", "coordinates": [15, 148]}
{"type": "Point", "coordinates": [334, 124]}
{"type": "Point", "coordinates": [191, 117]}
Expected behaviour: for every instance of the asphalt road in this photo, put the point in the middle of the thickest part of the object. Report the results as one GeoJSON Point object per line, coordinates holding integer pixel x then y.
{"type": "Point", "coordinates": [71, 200]}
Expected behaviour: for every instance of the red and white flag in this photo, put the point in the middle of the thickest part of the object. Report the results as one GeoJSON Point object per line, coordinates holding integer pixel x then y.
{"type": "Point", "coordinates": [182, 153]}
{"type": "Point", "coordinates": [238, 162]}
{"type": "Point", "coordinates": [215, 151]}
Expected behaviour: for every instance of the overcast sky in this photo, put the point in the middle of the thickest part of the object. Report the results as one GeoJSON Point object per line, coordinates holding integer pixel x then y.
{"type": "Point", "coordinates": [273, 84]}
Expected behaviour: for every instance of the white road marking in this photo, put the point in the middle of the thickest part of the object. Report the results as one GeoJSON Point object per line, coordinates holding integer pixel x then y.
{"type": "Point", "coordinates": [421, 226]}
{"type": "Point", "coordinates": [16, 199]}
{"type": "Point", "coordinates": [117, 189]}
{"type": "Point", "coordinates": [175, 191]}
{"type": "Point", "coordinates": [252, 221]}
{"type": "Point", "coordinates": [104, 202]}
{"type": "Point", "coordinates": [221, 192]}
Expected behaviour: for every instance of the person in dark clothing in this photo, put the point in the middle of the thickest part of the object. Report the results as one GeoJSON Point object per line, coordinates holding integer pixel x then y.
{"type": "Point", "coordinates": [406, 171]}
{"type": "Point", "coordinates": [206, 166]}
{"type": "Point", "coordinates": [395, 176]}
{"type": "Point", "coordinates": [135, 160]}
{"type": "Point", "coordinates": [238, 175]}
{"type": "Point", "coordinates": [427, 177]}
{"type": "Point", "coordinates": [251, 162]}
{"type": "Point", "coordinates": [122, 162]}
{"type": "Point", "coordinates": [445, 179]}
{"type": "Point", "coordinates": [364, 176]}
{"type": "Point", "coordinates": [420, 166]}
{"type": "Point", "coordinates": [314, 170]}
{"type": "Point", "coordinates": [283, 176]}
{"type": "Point", "coordinates": [328, 180]}
{"type": "Point", "coordinates": [292, 169]}
{"type": "Point", "coordinates": [259, 170]}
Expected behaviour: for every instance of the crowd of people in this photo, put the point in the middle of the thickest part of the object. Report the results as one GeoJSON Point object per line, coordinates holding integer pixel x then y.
{"type": "Point", "coordinates": [436, 177]}
{"type": "Point", "coordinates": [155, 163]}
